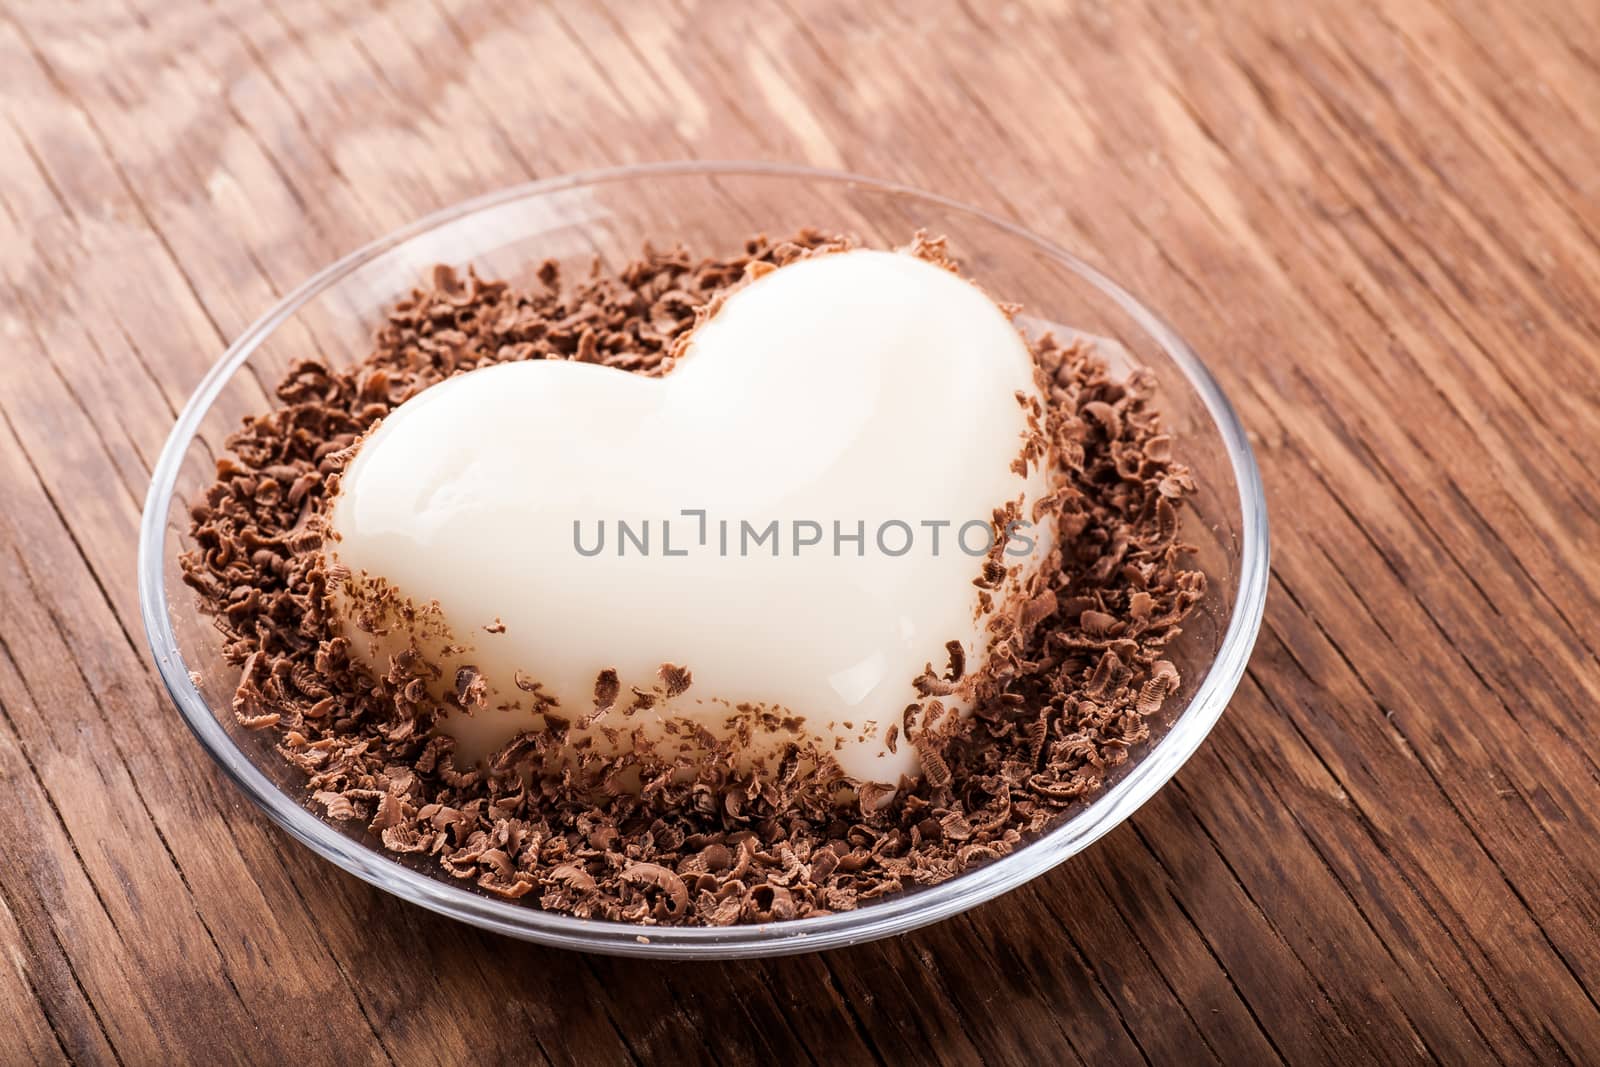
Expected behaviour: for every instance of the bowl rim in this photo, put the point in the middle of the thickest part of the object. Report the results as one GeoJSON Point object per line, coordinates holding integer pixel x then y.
{"type": "Point", "coordinates": [898, 913]}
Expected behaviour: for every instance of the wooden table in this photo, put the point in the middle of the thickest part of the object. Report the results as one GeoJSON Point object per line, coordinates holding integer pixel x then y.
{"type": "Point", "coordinates": [1380, 224]}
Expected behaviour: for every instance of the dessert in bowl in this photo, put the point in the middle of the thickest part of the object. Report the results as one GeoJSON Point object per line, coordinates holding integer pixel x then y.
{"type": "Point", "coordinates": [702, 768]}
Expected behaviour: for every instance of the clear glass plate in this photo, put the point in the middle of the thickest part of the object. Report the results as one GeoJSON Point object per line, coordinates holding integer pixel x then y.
{"type": "Point", "coordinates": [710, 207]}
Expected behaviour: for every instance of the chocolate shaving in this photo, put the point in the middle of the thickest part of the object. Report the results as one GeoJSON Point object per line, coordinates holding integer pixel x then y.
{"type": "Point", "coordinates": [929, 684]}
{"type": "Point", "coordinates": [958, 661]}
{"type": "Point", "coordinates": [675, 895]}
{"type": "Point", "coordinates": [470, 687]}
{"type": "Point", "coordinates": [676, 680]}
{"type": "Point", "coordinates": [1163, 683]}
{"type": "Point", "coordinates": [1038, 608]}
{"type": "Point", "coordinates": [606, 688]}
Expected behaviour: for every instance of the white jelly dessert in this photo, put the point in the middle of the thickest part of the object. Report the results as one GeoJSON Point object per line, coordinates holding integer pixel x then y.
{"type": "Point", "coordinates": [794, 515]}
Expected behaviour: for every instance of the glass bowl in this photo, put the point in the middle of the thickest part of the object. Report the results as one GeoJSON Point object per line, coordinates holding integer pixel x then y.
{"type": "Point", "coordinates": [711, 207]}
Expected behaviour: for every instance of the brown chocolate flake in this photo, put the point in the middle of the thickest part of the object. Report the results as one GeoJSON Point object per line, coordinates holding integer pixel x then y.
{"type": "Point", "coordinates": [1162, 683]}
{"type": "Point", "coordinates": [873, 796]}
{"type": "Point", "coordinates": [676, 680]}
{"type": "Point", "coordinates": [575, 878]}
{"type": "Point", "coordinates": [935, 771]}
{"type": "Point", "coordinates": [471, 688]}
{"type": "Point", "coordinates": [606, 688]}
{"type": "Point", "coordinates": [1099, 623]}
{"type": "Point", "coordinates": [675, 895]}
{"type": "Point", "coordinates": [338, 806]}
{"type": "Point", "coordinates": [1038, 608]}
{"type": "Point", "coordinates": [958, 661]}
{"type": "Point", "coordinates": [929, 684]}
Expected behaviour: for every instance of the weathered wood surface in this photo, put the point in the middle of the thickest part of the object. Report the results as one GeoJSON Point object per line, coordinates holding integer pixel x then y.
{"type": "Point", "coordinates": [1380, 223]}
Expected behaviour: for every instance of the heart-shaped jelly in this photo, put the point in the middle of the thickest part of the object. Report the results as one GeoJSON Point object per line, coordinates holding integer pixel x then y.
{"type": "Point", "coordinates": [572, 519]}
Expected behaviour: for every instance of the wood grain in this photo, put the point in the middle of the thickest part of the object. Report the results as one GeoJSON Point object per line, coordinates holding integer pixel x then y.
{"type": "Point", "coordinates": [1380, 222]}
